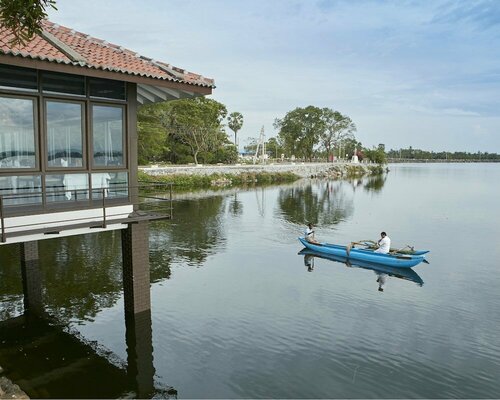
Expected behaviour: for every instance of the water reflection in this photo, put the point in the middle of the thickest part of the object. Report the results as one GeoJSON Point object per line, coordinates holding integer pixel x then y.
{"type": "Point", "coordinates": [321, 202]}
{"type": "Point", "coordinates": [375, 183]}
{"type": "Point", "coordinates": [194, 233]}
{"type": "Point", "coordinates": [49, 360]}
{"type": "Point", "coordinates": [235, 205]}
{"type": "Point", "coordinates": [382, 272]}
{"type": "Point", "coordinates": [309, 262]}
{"type": "Point", "coordinates": [82, 275]}
{"type": "Point", "coordinates": [11, 288]}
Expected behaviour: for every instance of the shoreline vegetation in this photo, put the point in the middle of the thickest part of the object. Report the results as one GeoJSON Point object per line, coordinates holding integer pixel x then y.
{"type": "Point", "coordinates": [224, 176]}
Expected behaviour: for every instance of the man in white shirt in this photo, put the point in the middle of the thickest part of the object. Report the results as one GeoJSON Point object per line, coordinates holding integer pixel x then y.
{"type": "Point", "coordinates": [384, 244]}
{"type": "Point", "coordinates": [309, 234]}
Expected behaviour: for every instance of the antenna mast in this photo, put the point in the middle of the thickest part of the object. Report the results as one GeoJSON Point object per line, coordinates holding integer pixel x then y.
{"type": "Point", "coordinates": [261, 144]}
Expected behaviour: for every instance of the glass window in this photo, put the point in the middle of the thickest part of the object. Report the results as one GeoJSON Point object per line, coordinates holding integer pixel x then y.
{"type": "Point", "coordinates": [118, 185]}
{"type": "Point", "coordinates": [107, 89]}
{"type": "Point", "coordinates": [107, 134]}
{"type": "Point", "coordinates": [54, 82]}
{"type": "Point", "coordinates": [17, 133]}
{"type": "Point", "coordinates": [67, 187]}
{"type": "Point", "coordinates": [18, 78]}
{"type": "Point", "coordinates": [64, 134]}
{"type": "Point", "coordinates": [21, 189]}
{"type": "Point", "coordinates": [110, 184]}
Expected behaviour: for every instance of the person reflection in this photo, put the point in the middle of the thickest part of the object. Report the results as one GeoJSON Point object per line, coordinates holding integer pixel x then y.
{"type": "Point", "coordinates": [309, 262]}
{"type": "Point", "coordinates": [381, 280]}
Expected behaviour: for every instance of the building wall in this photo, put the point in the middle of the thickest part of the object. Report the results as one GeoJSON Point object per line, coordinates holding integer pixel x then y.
{"type": "Point", "coordinates": [52, 172]}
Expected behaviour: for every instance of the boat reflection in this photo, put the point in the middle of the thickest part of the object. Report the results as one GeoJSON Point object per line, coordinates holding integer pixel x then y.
{"type": "Point", "coordinates": [381, 271]}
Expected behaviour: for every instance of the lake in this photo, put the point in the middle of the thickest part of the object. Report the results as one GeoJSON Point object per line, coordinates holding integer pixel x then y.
{"type": "Point", "coordinates": [237, 313]}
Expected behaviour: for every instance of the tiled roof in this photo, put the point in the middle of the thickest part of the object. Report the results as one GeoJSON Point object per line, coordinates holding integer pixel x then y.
{"type": "Point", "coordinates": [63, 45]}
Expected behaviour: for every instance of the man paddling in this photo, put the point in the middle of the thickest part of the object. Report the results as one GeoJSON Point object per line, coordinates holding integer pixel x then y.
{"type": "Point", "coordinates": [309, 234]}
{"type": "Point", "coordinates": [384, 244]}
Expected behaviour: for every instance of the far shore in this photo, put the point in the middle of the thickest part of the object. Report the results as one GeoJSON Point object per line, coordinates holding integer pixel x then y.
{"type": "Point", "coordinates": [206, 176]}
{"type": "Point", "coordinates": [302, 169]}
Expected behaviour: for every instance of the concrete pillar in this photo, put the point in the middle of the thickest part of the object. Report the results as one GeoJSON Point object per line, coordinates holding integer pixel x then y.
{"type": "Point", "coordinates": [32, 279]}
{"type": "Point", "coordinates": [135, 251]}
{"type": "Point", "coordinates": [139, 339]}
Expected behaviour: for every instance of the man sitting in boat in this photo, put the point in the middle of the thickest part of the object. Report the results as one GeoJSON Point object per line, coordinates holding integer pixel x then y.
{"type": "Point", "coordinates": [384, 244]}
{"type": "Point", "coordinates": [309, 234]}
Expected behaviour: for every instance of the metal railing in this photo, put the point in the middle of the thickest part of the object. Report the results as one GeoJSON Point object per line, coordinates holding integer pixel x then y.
{"type": "Point", "coordinates": [147, 205]}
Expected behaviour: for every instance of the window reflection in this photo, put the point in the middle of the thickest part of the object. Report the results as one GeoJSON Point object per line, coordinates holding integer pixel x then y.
{"type": "Point", "coordinates": [107, 133]}
{"type": "Point", "coordinates": [67, 187]}
{"type": "Point", "coordinates": [18, 78]}
{"type": "Point", "coordinates": [107, 89]}
{"type": "Point", "coordinates": [20, 189]}
{"type": "Point", "coordinates": [110, 185]}
{"type": "Point", "coordinates": [54, 82]}
{"type": "Point", "coordinates": [17, 133]}
{"type": "Point", "coordinates": [64, 134]}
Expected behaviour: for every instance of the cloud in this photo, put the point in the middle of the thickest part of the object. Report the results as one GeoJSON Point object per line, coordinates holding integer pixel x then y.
{"type": "Point", "coordinates": [393, 62]}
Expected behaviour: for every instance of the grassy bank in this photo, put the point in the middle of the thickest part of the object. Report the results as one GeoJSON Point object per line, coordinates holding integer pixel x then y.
{"type": "Point", "coordinates": [194, 181]}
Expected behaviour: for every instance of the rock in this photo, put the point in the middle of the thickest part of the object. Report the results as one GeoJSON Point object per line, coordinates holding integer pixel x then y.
{"type": "Point", "coordinates": [9, 390]}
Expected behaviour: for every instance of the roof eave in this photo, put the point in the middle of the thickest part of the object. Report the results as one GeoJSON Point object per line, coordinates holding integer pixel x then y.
{"type": "Point", "coordinates": [55, 65]}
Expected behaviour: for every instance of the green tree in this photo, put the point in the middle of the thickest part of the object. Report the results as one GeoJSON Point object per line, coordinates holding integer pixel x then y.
{"type": "Point", "coordinates": [376, 155]}
{"type": "Point", "coordinates": [274, 147]}
{"type": "Point", "coordinates": [300, 130]}
{"type": "Point", "coordinates": [152, 135]}
{"type": "Point", "coordinates": [338, 129]}
{"type": "Point", "coordinates": [235, 122]}
{"type": "Point", "coordinates": [24, 17]}
{"type": "Point", "coordinates": [193, 129]}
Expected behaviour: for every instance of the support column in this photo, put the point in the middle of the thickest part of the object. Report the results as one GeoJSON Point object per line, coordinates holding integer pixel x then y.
{"type": "Point", "coordinates": [139, 339]}
{"type": "Point", "coordinates": [32, 279]}
{"type": "Point", "coordinates": [135, 251]}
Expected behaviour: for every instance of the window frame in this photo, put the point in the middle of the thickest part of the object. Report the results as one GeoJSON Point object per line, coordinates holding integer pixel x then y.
{"type": "Point", "coordinates": [41, 168]}
{"type": "Point", "coordinates": [36, 133]}
{"type": "Point", "coordinates": [45, 135]}
{"type": "Point", "coordinates": [92, 166]}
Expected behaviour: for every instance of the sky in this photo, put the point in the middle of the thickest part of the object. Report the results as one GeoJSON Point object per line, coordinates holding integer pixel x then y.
{"type": "Point", "coordinates": [424, 74]}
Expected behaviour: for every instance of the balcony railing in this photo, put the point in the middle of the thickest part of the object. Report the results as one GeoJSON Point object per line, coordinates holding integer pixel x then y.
{"type": "Point", "coordinates": [55, 205]}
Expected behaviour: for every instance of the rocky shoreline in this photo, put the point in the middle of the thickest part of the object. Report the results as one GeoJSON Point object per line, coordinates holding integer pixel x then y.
{"type": "Point", "coordinates": [302, 170]}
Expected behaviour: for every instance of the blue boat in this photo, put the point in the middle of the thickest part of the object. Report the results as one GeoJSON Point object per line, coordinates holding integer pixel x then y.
{"type": "Point", "coordinates": [391, 260]}
{"type": "Point", "coordinates": [401, 273]}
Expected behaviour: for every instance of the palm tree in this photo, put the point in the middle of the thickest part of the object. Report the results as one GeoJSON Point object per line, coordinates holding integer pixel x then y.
{"type": "Point", "coordinates": [235, 122]}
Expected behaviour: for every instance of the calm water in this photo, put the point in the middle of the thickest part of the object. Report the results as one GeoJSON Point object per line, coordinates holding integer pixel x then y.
{"type": "Point", "coordinates": [237, 314]}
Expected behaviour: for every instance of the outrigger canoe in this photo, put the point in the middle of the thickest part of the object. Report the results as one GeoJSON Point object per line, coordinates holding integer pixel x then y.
{"type": "Point", "coordinates": [392, 260]}
{"type": "Point", "coordinates": [401, 273]}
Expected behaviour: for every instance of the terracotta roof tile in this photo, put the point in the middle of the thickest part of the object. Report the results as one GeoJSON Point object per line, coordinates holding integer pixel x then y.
{"type": "Point", "coordinates": [95, 53]}
{"type": "Point", "coordinates": [36, 48]}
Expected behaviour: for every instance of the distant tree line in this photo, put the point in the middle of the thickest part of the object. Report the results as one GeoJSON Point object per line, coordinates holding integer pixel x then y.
{"type": "Point", "coordinates": [418, 154]}
{"type": "Point", "coordinates": [194, 131]}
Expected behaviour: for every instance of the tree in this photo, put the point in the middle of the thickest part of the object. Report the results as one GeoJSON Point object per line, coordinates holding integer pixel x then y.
{"type": "Point", "coordinates": [196, 123]}
{"type": "Point", "coordinates": [235, 122]}
{"type": "Point", "coordinates": [274, 147]}
{"type": "Point", "coordinates": [300, 130]}
{"type": "Point", "coordinates": [338, 128]}
{"type": "Point", "coordinates": [24, 17]}
{"type": "Point", "coordinates": [376, 155]}
{"type": "Point", "coordinates": [152, 135]}
{"type": "Point", "coordinates": [350, 144]}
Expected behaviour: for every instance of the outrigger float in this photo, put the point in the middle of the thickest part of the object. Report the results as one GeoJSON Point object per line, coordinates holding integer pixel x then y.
{"type": "Point", "coordinates": [395, 259]}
